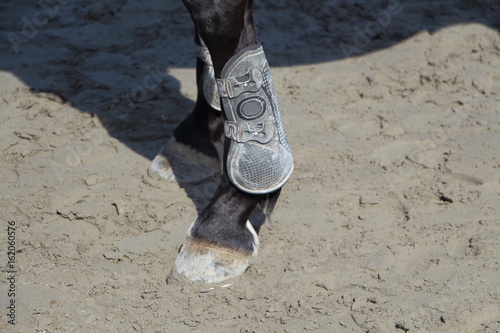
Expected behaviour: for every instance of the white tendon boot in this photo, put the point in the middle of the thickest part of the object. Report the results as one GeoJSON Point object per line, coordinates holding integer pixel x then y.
{"type": "Point", "coordinates": [260, 158]}
{"type": "Point", "coordinates": [208, 85]}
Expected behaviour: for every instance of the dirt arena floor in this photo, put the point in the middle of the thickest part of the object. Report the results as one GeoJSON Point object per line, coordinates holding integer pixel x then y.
{"type": "Point", "coordinates": [390, 223]}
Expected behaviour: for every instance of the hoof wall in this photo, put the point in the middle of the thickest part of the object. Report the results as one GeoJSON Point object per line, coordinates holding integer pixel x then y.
{"type": "Point", "coordinates": [209, 264]}
{"type": "Point", "coordinates": [180, 163]}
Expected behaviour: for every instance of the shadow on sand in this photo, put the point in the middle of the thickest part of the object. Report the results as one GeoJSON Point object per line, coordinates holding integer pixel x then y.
{"type": "Point", "coordinates": [121, 60]}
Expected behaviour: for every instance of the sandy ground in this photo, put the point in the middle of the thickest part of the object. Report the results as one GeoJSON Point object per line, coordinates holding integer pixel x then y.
{"type": "Point", "coordinates": [391, 222]}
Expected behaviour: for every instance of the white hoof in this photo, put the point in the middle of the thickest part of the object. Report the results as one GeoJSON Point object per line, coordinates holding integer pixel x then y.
{"type": "Point", "coordinates": [180, 163]}
{"type": "Point", "coordinates": [208, 263]}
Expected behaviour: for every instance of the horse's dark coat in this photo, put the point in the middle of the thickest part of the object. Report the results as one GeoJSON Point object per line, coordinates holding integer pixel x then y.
{"type": "Point", "coordinates": [226, 27]}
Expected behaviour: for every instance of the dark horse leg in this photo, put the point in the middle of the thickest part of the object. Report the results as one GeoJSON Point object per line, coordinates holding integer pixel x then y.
{"type": "Point", "coordinates": [257, 159]}
{"type": "Point", "coordinates": [197, 143]}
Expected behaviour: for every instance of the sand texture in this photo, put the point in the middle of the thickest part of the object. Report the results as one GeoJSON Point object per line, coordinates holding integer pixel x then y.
{"type": "Point", "coordinates": [390, 223]}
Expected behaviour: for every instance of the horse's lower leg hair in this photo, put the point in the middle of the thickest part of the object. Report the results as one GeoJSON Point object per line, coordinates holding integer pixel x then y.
{"type": "Point", "coordinates": [226, 27]}
{"type": "Point", "coordinates": [257, 156]}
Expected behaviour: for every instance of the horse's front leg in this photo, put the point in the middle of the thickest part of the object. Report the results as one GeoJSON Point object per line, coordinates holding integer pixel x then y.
{"type": "Point", "coordinates": [257, 157]}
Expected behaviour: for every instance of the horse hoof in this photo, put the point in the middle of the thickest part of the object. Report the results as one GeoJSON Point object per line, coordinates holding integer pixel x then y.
{"type": "Point", "coordinates": [183, 164]}
{"type": "Point", "coordinates": [210, 264]}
